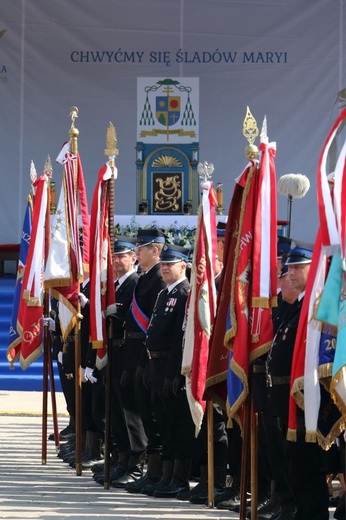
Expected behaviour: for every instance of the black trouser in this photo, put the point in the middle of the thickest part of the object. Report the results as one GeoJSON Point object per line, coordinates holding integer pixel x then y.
{"type": "Point", "coordinates": [309, 479]}
{"type": "Point", "coordinates": [220, 439]}
{"type": "Point", "coordinates": [280, 459]}
{"type": "Point", "coordinates": [144, 406]}
{"type": "Point", "coordinates": [127, 428]}
{"type": "Point", "coordinates": [174, 420]}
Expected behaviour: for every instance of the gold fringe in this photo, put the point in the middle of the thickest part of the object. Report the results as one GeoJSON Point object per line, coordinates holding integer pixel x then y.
{"type": "Point", "coordinates": [34, 302]}
{"type": "Point", "coordinates": [26, 294]}
{"type": "Point", "coordinates": [329, 329]}
{"type": "Point", "coordinates": [291, 435]}
{"type": "Point", "coordinates": [325, 371]}
{"type": "Point", "coordinates": [310, 436]}
{"type": "Point", "coordinates": [254, 338]}
{"type": "Point", "coordinates": [274, 301]}
{"type": "Point", "coordinates": [97, 344]}
{"type": "Point", "coordinates": [296, 391]}
{"type": "Point", "coordinates": [260, 302]}
{"type": "Point", "coordinates": [338, 428]}
{"type": "Point", "coordinates": [338, 377]}
{"type": "Point", "coordinates": [58, 282]}
{"type": "Point", "coordinates": [259, 351]}
{"type": "Point", "coordinates": [218, 378]}
{"type": "Point", "coordinates": [25, 363]}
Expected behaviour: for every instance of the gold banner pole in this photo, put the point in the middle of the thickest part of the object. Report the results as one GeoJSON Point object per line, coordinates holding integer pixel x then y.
{"type": "Point", "coordinates": [249, 447]}
{"type": "Point", "coordinates": [48, 170]}
{"type": "Point", "coordinates": [74, 133]}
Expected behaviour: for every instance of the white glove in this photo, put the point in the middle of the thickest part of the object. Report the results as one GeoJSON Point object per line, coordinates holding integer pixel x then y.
{"type": "Point", "coordinates": [83, 378]}
{"type": "Point", "coordinates": [60, 357]}
{"type": "Point", "coordinates": [49, 322]}
{"type": "Point", "coordinates": [83, 299]}
{"type": "Point", "coordinates": [89, 375]}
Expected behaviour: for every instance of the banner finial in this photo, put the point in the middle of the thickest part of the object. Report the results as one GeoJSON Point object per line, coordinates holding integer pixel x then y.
{"type": "Point", "coordinates": [250, 132]}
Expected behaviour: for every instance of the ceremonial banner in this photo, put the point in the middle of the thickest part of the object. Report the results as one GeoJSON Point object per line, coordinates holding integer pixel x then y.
{"type": "Point", "coordinates": [102, 293]}
{"type": "Point", "coordinates": [218, 363]}
{"type": "Point", "coordinates": [201, 306]}
{"type": "Point", "coordinates": [246, 297]}
{"type": "Point", "coordinates": [15, 337]}
{"type": "Point", "coordinates": [31, 304]}
{"type": "Point", "coordinates": [68, 258]}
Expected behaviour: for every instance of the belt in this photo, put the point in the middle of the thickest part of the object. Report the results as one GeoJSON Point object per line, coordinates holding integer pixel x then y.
{"type": "Point", "coordinates": [258, 369]}
{"type": "Point", "coordinates": [156, 354]}
{"type": "Point", "coordinates": [278, 380]}
{"type": "Point", "coordinates": [69, 339]}
{"type": "Point", "coordinates": [134, 335]}
{"type": "Point", "coordinates": [117, 342]}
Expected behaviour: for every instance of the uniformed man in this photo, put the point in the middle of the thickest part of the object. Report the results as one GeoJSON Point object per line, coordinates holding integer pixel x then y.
{"type": "Point", "coordinates": [303, 483]}
{"type": "Point", "coordinates": [126, 426]}
{"type": "Point", "coordinates": [164, 345]}
{"type": "Point", "coordinates": [149, 243]}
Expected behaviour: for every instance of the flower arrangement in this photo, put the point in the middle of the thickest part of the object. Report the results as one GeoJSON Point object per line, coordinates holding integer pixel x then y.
{"type": "Point", "coordinates": [178, 235]}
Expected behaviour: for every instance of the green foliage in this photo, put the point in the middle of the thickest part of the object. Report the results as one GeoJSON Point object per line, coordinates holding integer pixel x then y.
{"type": "Point", "coordinates": [178, 235]}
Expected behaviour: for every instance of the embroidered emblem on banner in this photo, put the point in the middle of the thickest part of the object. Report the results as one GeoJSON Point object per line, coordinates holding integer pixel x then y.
{"type": "Point", "coordinates": [167, 110]}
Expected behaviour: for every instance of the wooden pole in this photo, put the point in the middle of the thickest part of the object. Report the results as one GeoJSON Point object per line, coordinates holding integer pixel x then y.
{"type": "Point", "coordinates": [47, 361]}
{"type": "Point", "coordinates": [254, 463]}
{"type": "Point", "coordinates": [74, 133]}
{"type": "Point", "coordinates": [111, 150]}
{"type": "Point", "coordinates": [244, 475]}
{"type": "Point", "coordinates": [210, 423]}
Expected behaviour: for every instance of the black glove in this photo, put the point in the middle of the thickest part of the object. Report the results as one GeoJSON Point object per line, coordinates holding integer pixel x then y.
{"type": "Point", "coordinates": [178, 384]}
{"type": "Point", "coordinates": [126, 379]}
{"type": "Point", "coordinates": [168, 388]}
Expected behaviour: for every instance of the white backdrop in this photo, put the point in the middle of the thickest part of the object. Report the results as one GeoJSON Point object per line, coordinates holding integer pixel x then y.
{"type": "Point", "coordinates": [283, 58]}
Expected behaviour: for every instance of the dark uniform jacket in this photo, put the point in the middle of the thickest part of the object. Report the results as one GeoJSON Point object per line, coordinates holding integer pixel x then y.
{"type": "Point", "coordinates": [146, 290]}
{"type": "Point", "coordinates": [165, 333]}
{"type": "Point", "coordinates": [123, 299]}
{"type": "Point", "coordinates": [280, 357]}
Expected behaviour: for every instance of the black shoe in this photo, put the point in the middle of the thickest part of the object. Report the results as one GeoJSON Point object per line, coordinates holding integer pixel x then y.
{"type": "Point", "coordinates": [175, 486]}
{"type": "Point", "coordinates": [231, 504]}
{"type": "Point", "coordinates": [138, 485]}
{"type": "Point", "coordinates": [273, 514]}
{"type": "Point", "coordinates": [64, 435]}
{"type": "Point", "coordinates": [227, 493]}
{"type": "Point", "coordinates": [265, 505]}
{"type": "Point", "coordinates": [187, 494]}
{"type": "Point", "coordinates": [202, 496]}
{"type": "Point", "coordinates": [149, 489]}
{"type": "Point", "coordinates": [131, 475]}
{"type": "Point", "coordinates": [100, 477]}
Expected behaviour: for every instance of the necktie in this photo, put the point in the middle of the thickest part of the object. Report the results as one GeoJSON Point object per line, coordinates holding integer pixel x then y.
{"type": "Point", "coordinates": [116, 285]}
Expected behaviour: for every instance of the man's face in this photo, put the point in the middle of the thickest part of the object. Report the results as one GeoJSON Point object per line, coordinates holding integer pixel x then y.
{"type": "Point", "coordinates": [146, 256]}
{"type": "Point", "coordinates": [172, 271]}
{"type": "Point", "coordinates": [298, 274]}
{"type": "Point", "coordinates": [220, 244]}
{"type": "Point", "coordinates": [123, 263]}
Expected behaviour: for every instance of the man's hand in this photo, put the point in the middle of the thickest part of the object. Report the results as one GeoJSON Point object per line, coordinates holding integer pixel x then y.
{"type": "Point", "coordinates": [49, 322]}
{"type": "Point", "coordinates": [83, 299]}
{"type": "Point", "coordinates": [89, 375]}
